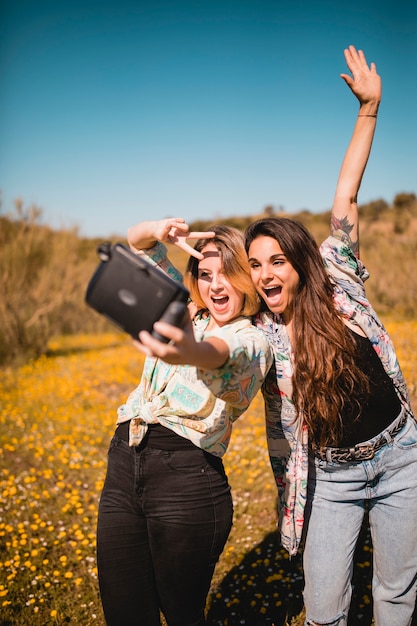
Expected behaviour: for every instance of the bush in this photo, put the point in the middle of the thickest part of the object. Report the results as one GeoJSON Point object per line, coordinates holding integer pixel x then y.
{"type": "Point", "coordinates": [44, 273]}
{"type": "Point", "coordinates": [43, 278]}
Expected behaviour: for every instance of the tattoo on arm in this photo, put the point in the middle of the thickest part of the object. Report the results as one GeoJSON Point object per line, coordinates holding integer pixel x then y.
{"type": "Point", "coordinates": [340, 224]}
{"type": "Point", "coordinates": [342, 228]}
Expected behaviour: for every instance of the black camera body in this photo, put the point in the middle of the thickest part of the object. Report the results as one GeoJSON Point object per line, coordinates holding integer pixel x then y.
{"type": "Point", "coordinates": [134, 294]}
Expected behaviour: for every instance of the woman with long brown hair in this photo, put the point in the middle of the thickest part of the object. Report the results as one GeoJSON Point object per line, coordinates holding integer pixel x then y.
{"type": "Point", "coordinates": [342, 436]}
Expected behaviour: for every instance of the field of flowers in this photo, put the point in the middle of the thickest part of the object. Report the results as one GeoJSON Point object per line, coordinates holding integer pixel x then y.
{"type": "Point", "coordinates": [57, 415]}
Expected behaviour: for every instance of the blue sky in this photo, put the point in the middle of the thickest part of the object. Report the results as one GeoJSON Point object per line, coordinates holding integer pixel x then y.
{"type": "Point", "coordinates": [116, 112]}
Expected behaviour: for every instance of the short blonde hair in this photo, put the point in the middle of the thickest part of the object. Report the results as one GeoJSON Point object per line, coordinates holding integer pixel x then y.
{"type": "Point", "coordinates": [230, 243]}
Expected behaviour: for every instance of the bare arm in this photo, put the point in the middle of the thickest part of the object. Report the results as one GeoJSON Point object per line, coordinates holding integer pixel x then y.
{"type": "Point", "coordinates": [144, 235]}
{"type": "Point", "coordinates": [185, 350]}
{"type": "Point", "coordinates": [365, 84]}
{"type": "Point", "coordinates": [209, 354]}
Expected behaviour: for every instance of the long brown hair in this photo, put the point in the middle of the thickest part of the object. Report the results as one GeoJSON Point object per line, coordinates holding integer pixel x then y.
{"type": "Point", "coordinates": [231, 246]}
{"type": "Point", "coordinates": [326, 377]}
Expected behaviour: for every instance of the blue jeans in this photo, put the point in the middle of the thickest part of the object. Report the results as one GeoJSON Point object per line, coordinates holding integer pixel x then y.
{"type": "Point", "coordinates": [337, 496]}
{"type": "Point", "coordinates": [164, 517]}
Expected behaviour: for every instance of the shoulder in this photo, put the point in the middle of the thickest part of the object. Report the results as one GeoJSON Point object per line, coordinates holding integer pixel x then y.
{"type": "Point", "coordinates": [243, 327]}
{"type": "Point", "coordinates": [242, 336]}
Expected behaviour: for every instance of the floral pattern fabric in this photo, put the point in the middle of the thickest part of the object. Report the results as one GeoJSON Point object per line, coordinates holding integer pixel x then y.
{"type": "Point", "coordinates": [287, 437]}
{"type": "Point", "coordinates": [201, 405]}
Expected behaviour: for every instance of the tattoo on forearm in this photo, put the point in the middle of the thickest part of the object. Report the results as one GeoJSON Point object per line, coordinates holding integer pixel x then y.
{"type": "Point", "coordinates": [343, 228]}
{"type": "Point", "coordinates": [341, 224]}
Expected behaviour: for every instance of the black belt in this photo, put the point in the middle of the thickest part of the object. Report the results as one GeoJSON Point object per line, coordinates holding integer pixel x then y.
{"type": "Point", "coordinates": [360, 451]}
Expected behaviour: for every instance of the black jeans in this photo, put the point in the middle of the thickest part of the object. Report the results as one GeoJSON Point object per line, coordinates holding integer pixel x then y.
{"type": "Point", "coordinates": [164, 518]}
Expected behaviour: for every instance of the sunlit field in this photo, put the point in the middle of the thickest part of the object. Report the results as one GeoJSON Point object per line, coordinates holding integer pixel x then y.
{"type": "Point", "coordinates": [57, 416]}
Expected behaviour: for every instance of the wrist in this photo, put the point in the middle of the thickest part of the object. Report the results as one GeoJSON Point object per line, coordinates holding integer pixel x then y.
{"type": "Point", "coordinates": [369, 109]}
{"type": "Point", "coordinates": [141, 236]}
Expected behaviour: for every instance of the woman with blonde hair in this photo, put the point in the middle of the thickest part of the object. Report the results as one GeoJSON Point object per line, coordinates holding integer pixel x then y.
{"type": "Point", "coordinates": [166, 509]}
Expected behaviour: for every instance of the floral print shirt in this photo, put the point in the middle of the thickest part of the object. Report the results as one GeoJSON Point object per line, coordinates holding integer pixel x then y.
{"type": "Point", "coordinates": [287, 437]}
{"type": "Point", "coordinates": [201, 405]}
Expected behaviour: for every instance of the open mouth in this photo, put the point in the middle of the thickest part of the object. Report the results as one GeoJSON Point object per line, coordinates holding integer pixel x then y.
{"type": "Point", "coordinates": [272, 292]}
{"type": "Point", "coordinates": [220, 300]}
{"type": "Point", "coordinates": [220, 304]}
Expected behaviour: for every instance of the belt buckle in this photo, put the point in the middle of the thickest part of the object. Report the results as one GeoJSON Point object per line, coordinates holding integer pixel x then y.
{"type": "Point", "coordinates": [364, 453]}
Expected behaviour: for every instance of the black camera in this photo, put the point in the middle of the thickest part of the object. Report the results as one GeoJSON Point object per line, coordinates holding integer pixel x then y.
{"type": "Point", "coordinates": [134, 294]}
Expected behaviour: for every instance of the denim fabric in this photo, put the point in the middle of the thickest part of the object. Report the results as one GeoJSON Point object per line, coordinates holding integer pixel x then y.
{"type": "Point", "coordinates": [164, 517]}
{"type": "Point", "coordinates": [337, 497]}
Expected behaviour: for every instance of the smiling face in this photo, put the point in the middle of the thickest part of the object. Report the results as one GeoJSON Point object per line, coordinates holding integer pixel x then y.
{"type": "Point", "coordinates": [222, 300]}
{"type": "Point", "coordinates": [275, 279]}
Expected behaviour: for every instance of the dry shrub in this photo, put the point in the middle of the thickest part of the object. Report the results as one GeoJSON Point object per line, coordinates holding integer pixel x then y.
{"type": "Point", "coordinates": [391, 261]}
{"type": "Point", "coordinates": [43, 275]}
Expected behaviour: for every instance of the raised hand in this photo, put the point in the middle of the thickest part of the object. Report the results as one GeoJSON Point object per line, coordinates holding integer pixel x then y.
{"type": "Point", "coordinates": [365, 83]}
{"type": "Point", "coordinates": [178, 234]}
{"type": "Point", "coordinates": [181, 348]}
{"type": "Point", "coordinates": [173, 230]}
